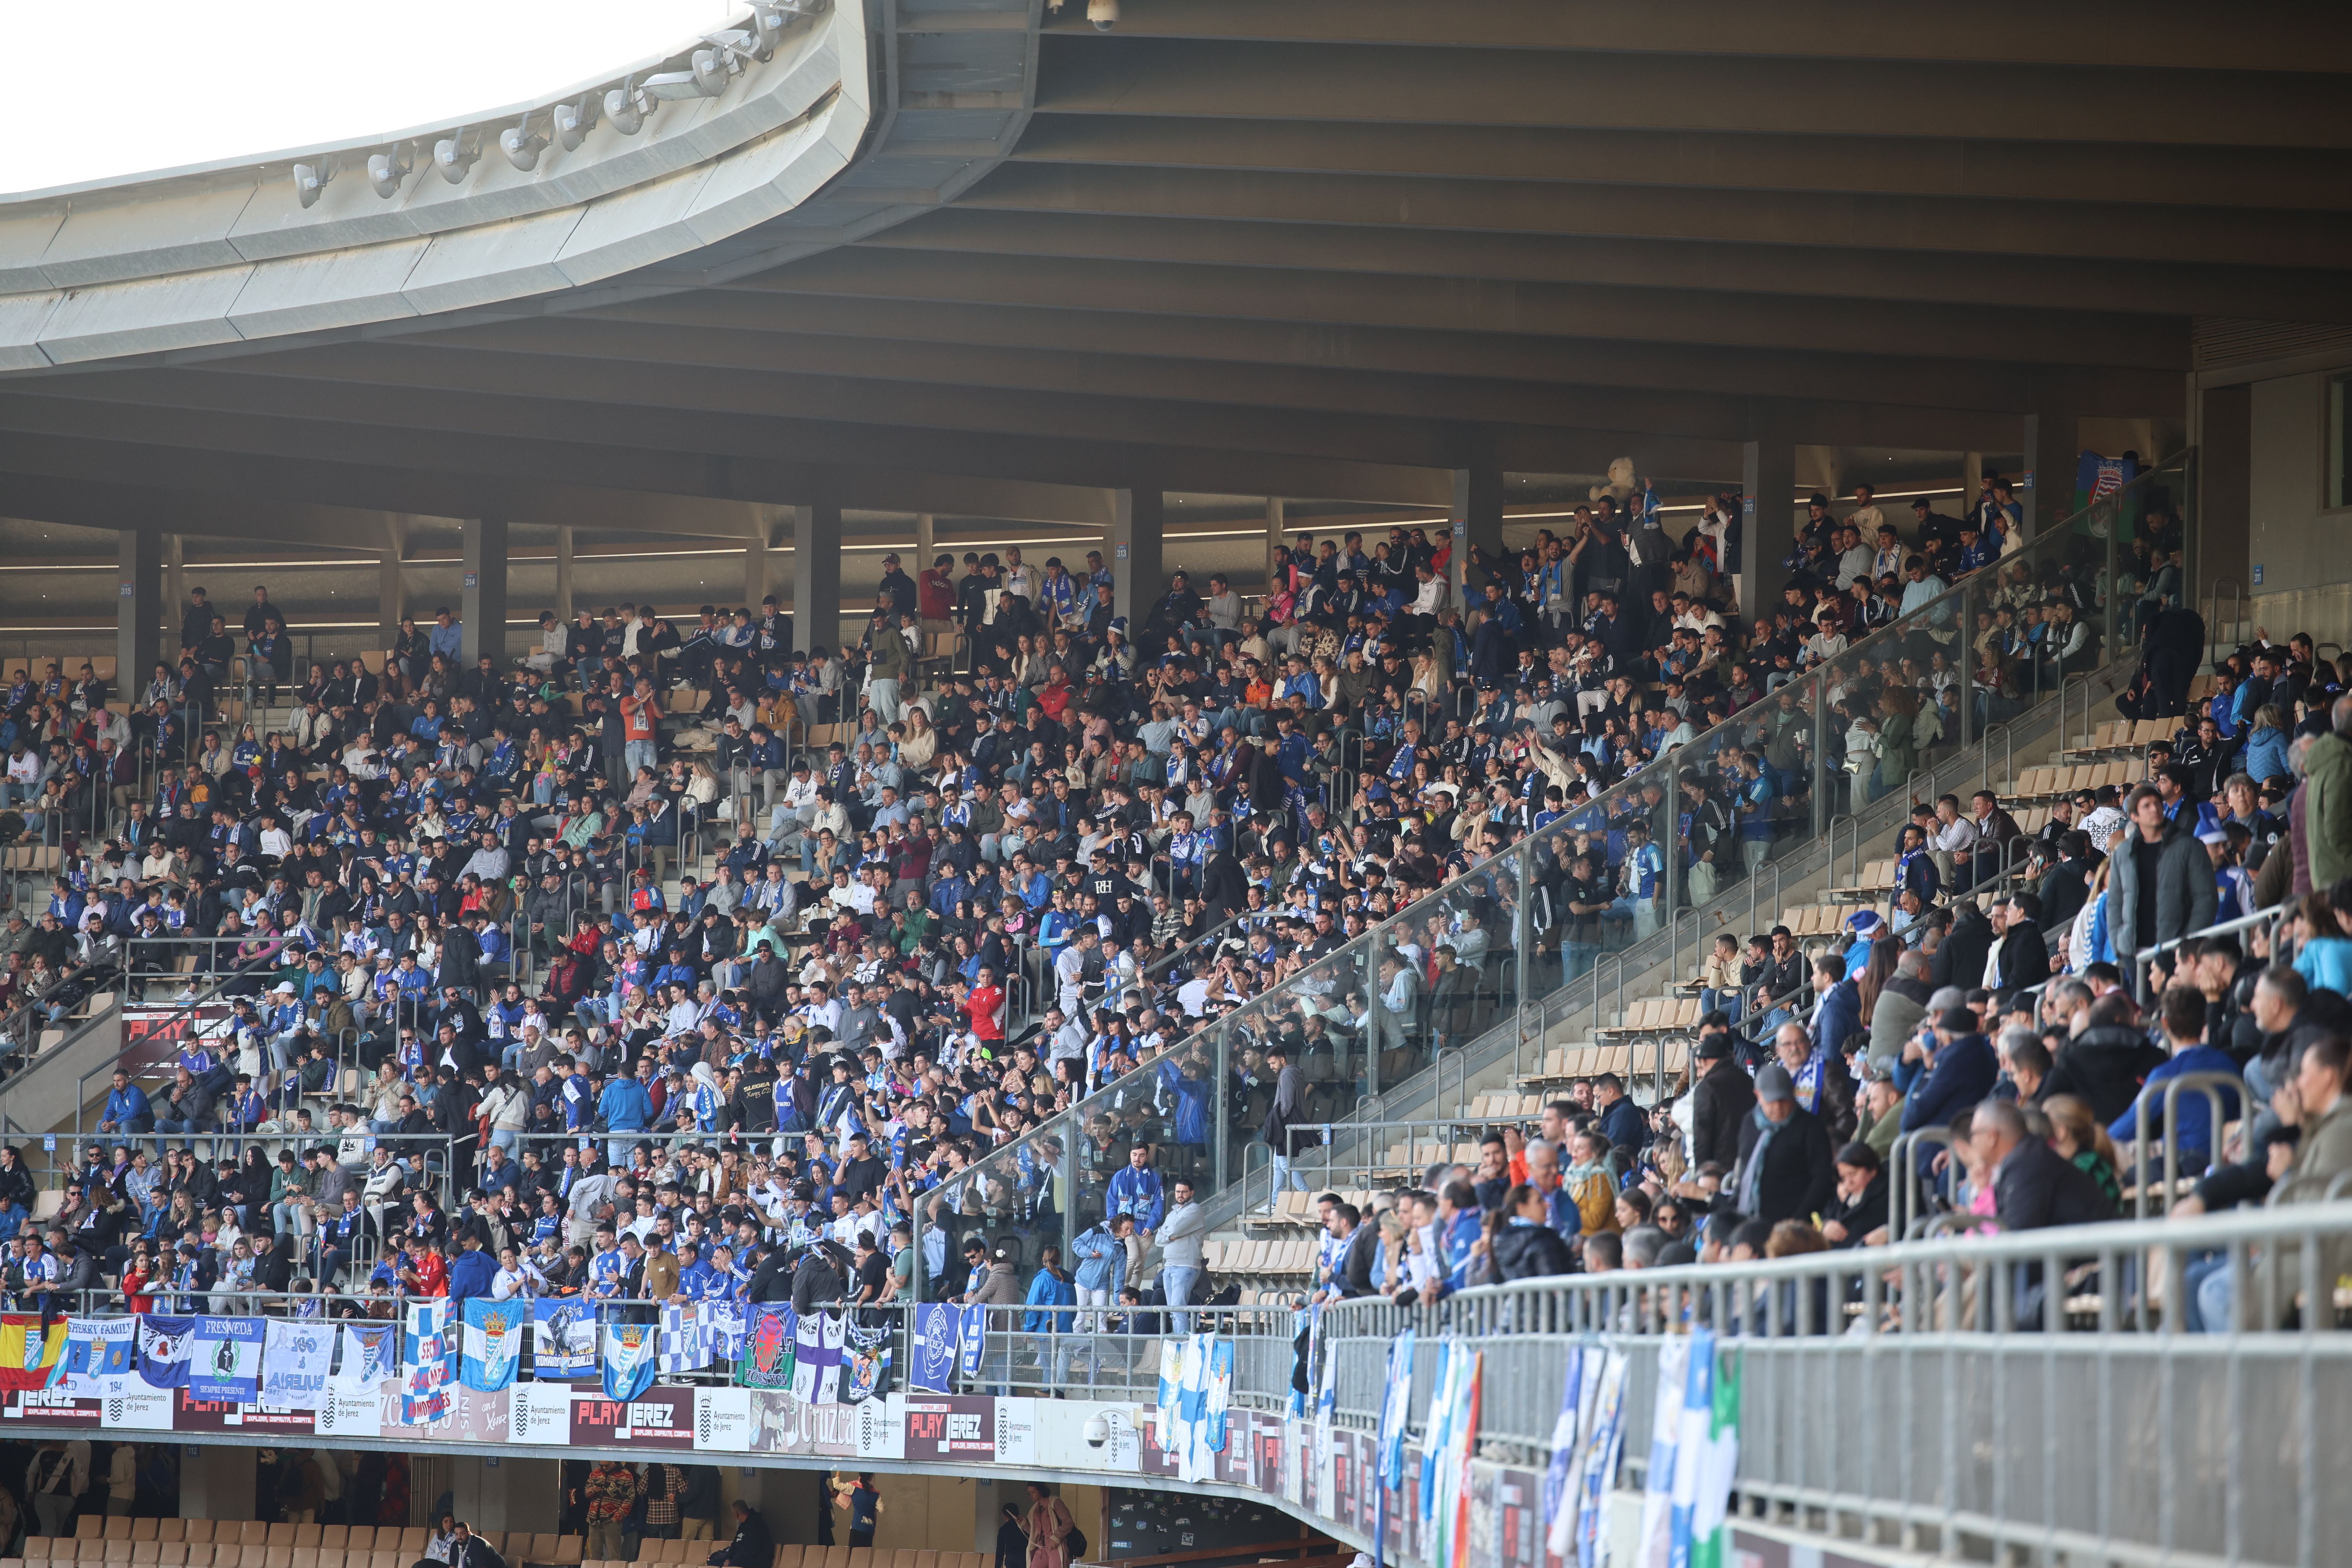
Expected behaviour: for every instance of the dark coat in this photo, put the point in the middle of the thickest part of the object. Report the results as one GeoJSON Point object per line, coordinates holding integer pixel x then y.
{"type": "Point", "coordinates": [2036, 1188]}
{"type": "Point", "coordinates": [1531, 1252]}
{"type": "Point", "coordinates": [1800, 1175]}
{"type": "Point", "coordinates": [2104, 1066]}
{"type": "Point", "coordinates": [1960, 959]}
{"type": "Point", "coordinates": [2024, 956]}
{"type": "Point", "coordinates": [2186, 896]}
{"type": "Point", "coordinates": [1720, 1105]}
{"type": "Point", "coordinates": [1863, 1213]}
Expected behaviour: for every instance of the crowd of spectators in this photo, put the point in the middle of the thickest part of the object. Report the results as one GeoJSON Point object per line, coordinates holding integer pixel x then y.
{"type": "Point", "coordinates": [1008, 885]}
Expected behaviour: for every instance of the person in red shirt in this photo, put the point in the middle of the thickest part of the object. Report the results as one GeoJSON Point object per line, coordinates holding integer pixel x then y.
{"type": "Point", "coordinates": [935, 589]}
{"type": "Point", "coordinates": [639, 713]}
{"type": "Point", "coordinates": [985, 1006]}
{"type": "Point", "coordinates": [426, 1273]}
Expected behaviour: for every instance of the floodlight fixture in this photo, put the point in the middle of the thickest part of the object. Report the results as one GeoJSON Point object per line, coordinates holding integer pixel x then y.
{"type": "Point", "coordinates": [454, 155]}
{"type": "Point", "coordinates": [520, 143]}
{"type": "Point", "coordinates": [386, 170]}
{"type": "Point", "coordinates": [309, 179]}
{"type": "Point", "coordinates": [627, 106]}
{"type": "Point", "coordinates": [574, 120]}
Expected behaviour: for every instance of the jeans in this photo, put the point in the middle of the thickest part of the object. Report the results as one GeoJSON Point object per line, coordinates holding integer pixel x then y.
{"type": "Point", "coordinates": [1180, 1280]}
{"type": "Point", "coordinates": [635, 754]}
{"type": "Point", "coordinates": [2205, 1293]}
{"type": "Point", "coordinates": [1578, 958]}
{"type": "Point", "coordinates": [882, 696]}
{"type": "Point", "coordinates": [1284, 1178]}
{"type": "Point", "coordinates": [1645, 919]}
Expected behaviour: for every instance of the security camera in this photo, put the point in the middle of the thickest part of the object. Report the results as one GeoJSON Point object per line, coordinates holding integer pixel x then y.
{"type": "Point", "coordinates": [1103, 13]}
{"type": "Point", "coordinates": [1098, 1432]}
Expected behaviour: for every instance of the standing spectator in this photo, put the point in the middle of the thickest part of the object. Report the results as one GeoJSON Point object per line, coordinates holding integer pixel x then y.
{"type": "Point", "coordinates": [2162, 886]}
{"type": "Point", "coordinates": [1785, 1168]}
{"type": "Point", "coordinates": [1182, 1232]}
{"type": "Point", "coordinates": [612, 1499]}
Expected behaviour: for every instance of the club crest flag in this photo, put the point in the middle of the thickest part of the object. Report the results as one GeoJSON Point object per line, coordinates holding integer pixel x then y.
{"type": "Point", "coordinates": [101, 1358]}
{"type": "Point", "coordinates": [29, 1358]}
{"type": "Point", "coordinates": [685, 1347]}
{"type": "Point", "coordinates": [164, 1347]}
{"type": "Point", "coordinates": [367, 1354]}
{"type": "Point", "coordinates": [296, 1356]}
{"type": "Point", "coordinates": [865, 1363]}
{"type": "Point", "coordinates": [225, 1361]}
{"type": "Point", "coordinates": [493, 1349]}
{"type": "Point", "coordinates": [563, 1338]}
{"type": "Point", "coordinates": [769, 1339]}
{"type": "Point", "coordinates": [427, 1349]}
{"type": "Point", "coordinates": [938, 1339]}
{"type": "Point", "coordinates": [808, 1357]}
{"type": "Point", "coordinates": [631, 1356]}
{"type": "Point", "coordinates": [830, 1340]}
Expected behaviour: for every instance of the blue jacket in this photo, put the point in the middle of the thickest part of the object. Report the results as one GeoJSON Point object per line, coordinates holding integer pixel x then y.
{"type": "Point", "coordinates": [1136, 1193]}
{"type": "Point", "coordinates": [470, 1274]}
{"type": "Point", "coordinates": [2195, 1130]}
{"type": "Point", "coordinates": [1964, 1073]}
{"type": "Point", "coordinates": [1838, 1015]}
{"type": "Point", "coordinates": [624, 1106]}
{"type": "Point", "coordinates": [1624, 1124]}
{"type": "Point", "coordinates": [1046, 1292]}
{"type": "Point", "coordinates": [1102, 1260]}
{"type": "Point", "coordinates": [124, 1103]}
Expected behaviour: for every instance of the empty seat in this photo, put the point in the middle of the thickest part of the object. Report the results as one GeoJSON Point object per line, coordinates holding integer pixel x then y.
{"type": "Point", "coordinates": [788, 1557]}
{"type": "Point", "coordinates": [273, 1556]}
{"type": "Point", "coordinates": [569, 1548]}
{"type": "Point", "coordinates": [861, 1557]}
{"type": "Point", "coordinates": [308, 1535]}
{"type": "Point", "coordinates": [305, 1556]}
{"type": "Point", "coordinates": [198, 1555]}
{"type": "Point", "coordinates": [279, 1535]}
{"type": "Point", "coordinates": [144, 1529]}
{"type": "Point", "coordinates": [538, 1549]}
{"type": "Point", "coordinates": [837, 1557]}
{"type": "Point", "coordinates": [37, 1548]}
{"type": "Point", "coordinates": [412, 1541]}
{"type": "Point", "coordinates": [361, 1539]}
{"type": "Point", "coordinates": [392, 1559]}
{"type": "Point", "coordinates": [170, 1554]}
{"type": "Point", "coordinates": [116, 1527]}
{"type": "Point", "coordinates": [90, 1526]}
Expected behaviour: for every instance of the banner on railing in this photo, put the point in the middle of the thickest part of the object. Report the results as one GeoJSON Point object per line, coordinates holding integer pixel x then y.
{"type": "Point", "coordinates": [296, 1356]}
{"type": "Point", "coordinates": [563, 1338]}
{"type": "Point", "coordinates": [426, 1350]}
{"type": "Point", "coordinates": [225, 1360]}
{"type": "Point", "coordinates": [630, 1356]}
{"type": "Point", "coordinates": [28, 1353]}
{"type": "Point", "coordinates": [101, 1358]}
{"type": "Point", "coordinates": [493, 1343]}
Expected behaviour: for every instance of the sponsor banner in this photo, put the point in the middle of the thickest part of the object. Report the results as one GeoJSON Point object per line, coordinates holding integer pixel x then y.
{"type": "Point", "coordinates": [49, 1407]}
{"type": "Point", "coordinates": [354, 1410]}
{"type": "Point", "coordinates": [142, 1410]}
{"type": "Point", "coordinates": [1016, 1431]}
{"type": "Point", "coordinates": [882, 1426]}
{"type": "Point", "coordinates": [784, 1422]}
{"type": "Point", "coordinates": [722, 1420]}
{"type": "Point", "coordinates": [195, 1414]}
{"type": "Point", "coordinates": [539, 1413]}
{"type": "Point", "coordinates": [663, 1419]}
{"type": "Point", "coordinates": [951, 1427]}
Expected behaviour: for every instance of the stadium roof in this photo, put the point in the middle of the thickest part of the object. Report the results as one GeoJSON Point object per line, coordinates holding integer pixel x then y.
{"type": "Point", "coordinates": [977, 257]}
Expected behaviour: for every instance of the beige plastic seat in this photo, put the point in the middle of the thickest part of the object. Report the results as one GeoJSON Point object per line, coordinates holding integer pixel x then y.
{"type": "Point", "coordinates": [198, 1530]}
{"type": "Point", "coordinates": [308, 1535]}
{"type": "Point", "coordinates": [788, 1557]}
{"type": "Point", "coordinates": [412, 1541]}
{"type": "Point", "coordinates": [361, 1539]}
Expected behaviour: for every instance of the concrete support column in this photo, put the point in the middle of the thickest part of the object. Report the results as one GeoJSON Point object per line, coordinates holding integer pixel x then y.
{"type": "Point", "coordinates": [1478, 515]}
{"type": "Point", "coordinates": [217, 1481]}
{"type": "Point", "coordinates": [1972, 485]}
{"type": "Point", "coordinates": [1274, 536]}
{"type": "Point", "coordinates": [2224, 537]}
{"type": "Point", "coordinates": [1768, 487]}
{"type": "Point", "coordinates": [563, 609]}
{"type": "Point", "coordinates": [1133, 540]}
{"type": "Point", "coordinates": [926, 544]}
{"type": "Point", "coordinates": [175, 591]}
{"type": "Point", "coordinates": [390, 589]}
{"type": "Point", "coordinates": [816, 577]}
{"type": "Point", "coordinates": [2045, 491]}
{"type": "Point", "coordinates": [755, 575]}
{"type": "Point", "coordinates": [483, 607]}
{"type": "Point", "coordinates": [138, 607]}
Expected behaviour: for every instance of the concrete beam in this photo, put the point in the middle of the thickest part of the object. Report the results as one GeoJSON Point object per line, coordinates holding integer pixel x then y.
{"type": "Point", "coordinates": [1925, 166]}
{"type": "Point", "coordinates": [2167, 34]}
{"type": "Point", "coordinates": [2308, 294]}
{"type": "Point", "coordinates": [1509, 86]}
{"type": "Point", "coordinates": [2235, 234]}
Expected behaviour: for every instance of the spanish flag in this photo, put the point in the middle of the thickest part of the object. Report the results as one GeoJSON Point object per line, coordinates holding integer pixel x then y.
{"type": "Point", "coordinates": [29, 1358]}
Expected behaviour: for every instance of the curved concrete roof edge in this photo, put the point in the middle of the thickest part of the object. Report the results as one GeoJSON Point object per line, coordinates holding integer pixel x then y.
{"type": "Point", "coordinates": [223, 262]}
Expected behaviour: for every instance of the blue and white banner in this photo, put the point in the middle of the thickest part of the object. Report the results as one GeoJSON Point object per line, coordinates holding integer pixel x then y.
{"type": "Point", "coordinates": [938, 1343]}
{"type": "Point", "coordinates": [973, 1341]}
{"type": "Point", "coordinates": [367, 1354]}
{"type": "Point", "coordinates": [427, 1350]}
{"type": "Point", "coordinates": [164, 1347]}
{"type": "Point", "coordinates": [101, 1358]}
{"type": "Point", "coordinates": [631, 1356]}
{"type": "Point", "coordinates": [563, 1338]}
{"type": "Point", "coordinates": [493, 1342]}
{"type": "Point", "coordinates": [685, 1347]}
{"type": "Point", "coordinates": [1196, 1381]}
{"type": "Point", "coordinates": [1665, 1431]}
{"type": "Point", "coordinates": [297, 1354]}
{"type": "Point", "coordinates": [224, 1362]}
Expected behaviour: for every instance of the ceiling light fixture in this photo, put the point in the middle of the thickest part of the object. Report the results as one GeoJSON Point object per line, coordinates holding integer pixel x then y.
{"type": "Point", "coordinates": [521, 145]}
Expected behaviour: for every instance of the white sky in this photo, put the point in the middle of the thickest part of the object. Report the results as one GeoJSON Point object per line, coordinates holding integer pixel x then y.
{"type": "Point", "coordinates": [96, 94]}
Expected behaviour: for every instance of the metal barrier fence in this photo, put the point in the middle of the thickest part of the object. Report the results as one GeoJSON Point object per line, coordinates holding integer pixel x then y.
{"type": "Point", "coordinates": [2035, 1395]}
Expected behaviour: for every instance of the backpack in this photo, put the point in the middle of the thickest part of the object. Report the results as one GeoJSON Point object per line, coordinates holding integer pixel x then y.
{"type": "Point", "coordinates": [1075, 1542]}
